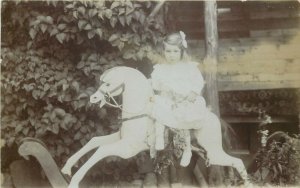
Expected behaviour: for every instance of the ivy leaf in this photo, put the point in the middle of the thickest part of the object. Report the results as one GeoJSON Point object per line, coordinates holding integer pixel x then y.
{"type": "Point", "coordinates": [128, 54]}
{"type": "Point", "coordinates": [137, 5]}
{"type": "Point", "coordinates": [121, 45]}
{"type": "Point", "coordinates": [32, 33]}
{"type": "Point", "coordinates": [68, 119]}
{"type": "Point", "coordinates": [82, 95]}
{"type": "Point", "coordinates": [60, 112]}
{"type": "Point", "coordinates": [49, 20]}
{"type": "Point", "coordinates": [67, 140]}
{"type": "Point", "coordinates": [140, 54]}
{"type": "Point", "coordinates": [59, 150]}
{"type": "Point", "coordinates": [113, 37]}
{"type": "Point", "coordinates": [92, 12]}
{"type": "Point", "coordinates": [25, 131]}
{"type": "Point", "coordinates": [114, 4]}
{"type": "Point", "coordinates": [10, 141]}
{"type": "Point", "coordinates": [46, 87]}
{"type": "Point", "coordinates": [99, 32]}
{"type": "Point", "coordinates": [75, 85]}
{"type": "Point", "coordinates": [87, 27]}
{"type": "Point", "coordinates": [80, 65]}
{"type": "Point", "coordinates": [55, 128]}
{"type": "Point", "coordinates": [70, 6]}
{"type": "Point", "coordinates": [122, 20]}
{"type": "Point", "coordinates": [136, 15]}
{"type": "Point", "coordinates": [29, 44]}
{"type": "Point", "coordinates": [62, 26]}
{"type": "Point", "coordinates": [81, 10]}
{"type": "Point", "coordinates": [43, 27]}
{"type": "Point", "coordinates": [79, 38]}
{"type": "Point", "coordinates": [121, 11]}
{"type": "Point", "coordinates": [108, 13]}
{"type": "Point", "coordinates": [82, 24]}
{"type": "Point", "coordinates": [129, 11]}
{"type": "Point", "coordinates": [83, 129]}
{"type": "Point", "coordinates": [65, 86]}
{"type": "Point", "coordinates": [35, 94]}
{"type": "Point", "coordinates": [63, 125]}
{"type": "Point", "coordinates": [142, 18]}
{"type": "Point", "coordinates": [91, 34]}
{"type": "Point", "coordinates": [100, 15]}
{"type": "Point", "coordinates": [128, 19]}
{"type": "Point", "coordinates": [78, 135]}
{"type": "Point", "coordinates": [61, 37]}
{"type": "Point", "coordinates": [19, 128]}
{"type": "Point", "coordinates": [83, 141]}
{"type": "Point", "coordinates": [53, 32]}
{"type": "Point", "coordinates": [137, 39]}
{"type": "Point", "coordinates": [113, 21]}
{"type": "Point", "coordinates": [75, 14]}
{"type": "Point", "coordinates": [8, 99]}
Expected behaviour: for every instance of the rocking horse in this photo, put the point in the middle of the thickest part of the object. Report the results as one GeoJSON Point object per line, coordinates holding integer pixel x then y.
{"type": "Point", "coordinates": [137, 126]}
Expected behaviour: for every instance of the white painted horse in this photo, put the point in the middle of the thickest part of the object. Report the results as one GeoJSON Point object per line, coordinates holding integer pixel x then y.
{"type": "Point", "coordinates": [132, 138]}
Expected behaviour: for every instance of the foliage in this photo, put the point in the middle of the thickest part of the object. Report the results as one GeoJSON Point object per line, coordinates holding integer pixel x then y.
{"type": "Point", "coordinates": [279, 162]}
{"type": "Point", "coordinates": [53, 53]}
{"type": "Point", "coordinates": [175, 145]}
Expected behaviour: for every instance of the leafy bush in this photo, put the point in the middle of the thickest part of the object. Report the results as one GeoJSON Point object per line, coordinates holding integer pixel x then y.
{"type": "Point", "coordinates": [279, 162]}
{"type": "Point", "coordinates": [53, 54]}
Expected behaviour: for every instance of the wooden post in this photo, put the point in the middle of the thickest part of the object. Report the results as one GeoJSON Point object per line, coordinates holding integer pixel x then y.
{"type": "Point", "coordinates": [210, 61]}
{"type": "Point", "coordinates": [215, 173]}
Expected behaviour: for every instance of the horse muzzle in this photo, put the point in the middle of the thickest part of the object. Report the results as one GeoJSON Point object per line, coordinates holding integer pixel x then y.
{"type": "Point", "coordinates": [98, 97]}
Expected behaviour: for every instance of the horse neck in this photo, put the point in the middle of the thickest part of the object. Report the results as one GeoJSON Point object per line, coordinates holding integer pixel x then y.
{"type": "Point", "coordinates": [136, 97]}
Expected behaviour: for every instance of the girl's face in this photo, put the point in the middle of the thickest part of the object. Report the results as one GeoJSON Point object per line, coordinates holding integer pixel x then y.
{"type": "Point", "coordinates": [172, 53]}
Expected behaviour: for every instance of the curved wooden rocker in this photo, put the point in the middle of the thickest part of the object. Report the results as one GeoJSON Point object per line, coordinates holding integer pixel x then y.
{"type": "Point", "coordinates": [36, 148]}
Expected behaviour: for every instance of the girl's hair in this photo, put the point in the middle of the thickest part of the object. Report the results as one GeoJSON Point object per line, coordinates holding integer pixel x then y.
{"type": "Point", "coordinates": [174, 39]}
{"type": "Point", "coordinates": [177, 40]}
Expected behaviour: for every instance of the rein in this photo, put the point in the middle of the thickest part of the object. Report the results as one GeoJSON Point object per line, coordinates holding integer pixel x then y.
{"type": "Point", "coordinates": [108, 93]}
{"type": "Point", "coordinates": [135, 117]}
{"type": "Point", "coordinates": [116, 105]}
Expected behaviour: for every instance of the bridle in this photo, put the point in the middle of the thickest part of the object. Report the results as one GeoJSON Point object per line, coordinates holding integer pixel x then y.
{"type": "Point", "coordinates": [108, 94]}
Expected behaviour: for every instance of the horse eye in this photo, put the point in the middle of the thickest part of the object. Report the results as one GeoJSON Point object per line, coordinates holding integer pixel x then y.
{"type": "Point", "coordinates": [107, 84]}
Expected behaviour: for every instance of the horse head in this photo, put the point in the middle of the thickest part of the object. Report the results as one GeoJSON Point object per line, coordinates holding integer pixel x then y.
{"type": "Point", "coordinates": [111, 84]}
{"type": "Point", "coordinates": [131, 83]}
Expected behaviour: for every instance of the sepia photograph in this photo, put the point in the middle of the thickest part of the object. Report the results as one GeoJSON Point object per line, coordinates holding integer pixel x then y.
{"type": "Point", "coordinates": [150, 93]}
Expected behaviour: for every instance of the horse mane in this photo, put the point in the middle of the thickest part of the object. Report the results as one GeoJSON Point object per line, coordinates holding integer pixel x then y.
{"type": "Point", "coordinates": [106, 72]}
{"type": "Point", "coordinates": [119, 67]}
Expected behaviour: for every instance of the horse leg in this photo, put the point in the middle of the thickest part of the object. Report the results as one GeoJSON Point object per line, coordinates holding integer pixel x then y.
{"type": "Point", "coordinates": [210, 138]}
{"type": "Point", "coordinates": [219, 157]}
{"type": "Point", "coordinates": [159, 136]}
{"type": "Point", "coordinates": [123, 148]}
{"type": "Point", "coordinates": [187, 152]}
{"type": "Point", "coordinates": [92, 144]}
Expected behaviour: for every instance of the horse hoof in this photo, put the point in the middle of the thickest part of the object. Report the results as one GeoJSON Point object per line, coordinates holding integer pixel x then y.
{"type": "Point", "coordinates": [159, 145]}
{"type": "Point", "coordinates": [248, 184]}
{"type": "Point", "coordinates": [66, 171]}
{"type": "Point", "coordinates": [73, 186]}
{"type": "Point", "coordinates": [185, 159]}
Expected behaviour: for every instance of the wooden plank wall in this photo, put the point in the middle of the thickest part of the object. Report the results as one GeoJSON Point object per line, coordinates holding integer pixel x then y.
{"type": "Point", "coordinates": [244, 19]}
{"type": "Point", "coordinates": [259, 46]}
{"type": "Point", "coordinates": [255, 63]}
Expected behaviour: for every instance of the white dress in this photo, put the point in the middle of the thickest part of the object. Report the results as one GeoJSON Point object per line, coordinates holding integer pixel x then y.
{"type": "Point", "coordinates": [174, 83]}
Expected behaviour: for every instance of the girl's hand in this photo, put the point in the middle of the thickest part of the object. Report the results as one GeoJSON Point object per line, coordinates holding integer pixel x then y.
{"type": "Point", "coordinates": [192, 96]}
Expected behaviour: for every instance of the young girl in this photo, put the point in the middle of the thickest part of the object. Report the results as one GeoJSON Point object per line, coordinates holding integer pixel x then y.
{"type": "Point", "coordinates": [178, 85]}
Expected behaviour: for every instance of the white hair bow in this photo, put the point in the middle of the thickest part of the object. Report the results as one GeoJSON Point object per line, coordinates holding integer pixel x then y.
{"type": "Point", "coordinates": [184, 43]}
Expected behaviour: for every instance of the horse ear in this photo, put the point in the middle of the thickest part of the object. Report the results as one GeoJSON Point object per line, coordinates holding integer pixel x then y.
{"type": "Point", "coordinates": [100, 79]}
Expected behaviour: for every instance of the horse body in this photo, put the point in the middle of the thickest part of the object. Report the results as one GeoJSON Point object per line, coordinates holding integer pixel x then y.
{"type": "Point", "coordinates": [134, 133]}
{"type": "Point", "coordinates": [135, 101]}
